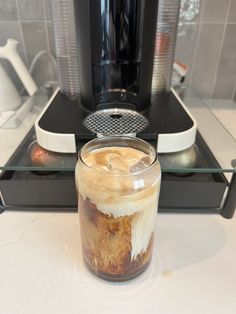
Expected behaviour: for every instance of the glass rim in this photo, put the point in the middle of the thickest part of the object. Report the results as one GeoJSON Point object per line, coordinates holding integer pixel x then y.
{"type": "Point", "coordinates": [155, 160]}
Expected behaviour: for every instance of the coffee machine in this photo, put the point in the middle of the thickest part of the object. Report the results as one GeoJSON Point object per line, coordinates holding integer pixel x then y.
{"type": "Point", "coordinates": [115, 60]}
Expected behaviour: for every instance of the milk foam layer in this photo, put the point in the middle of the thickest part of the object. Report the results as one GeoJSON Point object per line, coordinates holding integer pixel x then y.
{"type": "Point", "coordinates": [109, 183]}
{"type": "Point", "coordinates": [107, 180]}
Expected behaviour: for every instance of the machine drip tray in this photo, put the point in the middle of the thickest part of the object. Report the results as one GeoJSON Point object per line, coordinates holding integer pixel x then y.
{"type": "Point", "coordinates": [63, 123]}
{"type": "Point", "coordinates": [55, 190]}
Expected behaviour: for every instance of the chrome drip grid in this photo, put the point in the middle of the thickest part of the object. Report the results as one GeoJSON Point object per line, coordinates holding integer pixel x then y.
{"type": "Point", "coordinates": [115, 122]}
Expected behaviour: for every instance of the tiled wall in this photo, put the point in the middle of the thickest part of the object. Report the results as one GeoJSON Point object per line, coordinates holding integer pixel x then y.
{"type": "Point", "coordinates": [29, 22]}
{"type": "Point", "coordinates": [210, 48]}
{"type": "Point", "coordinates": [207, 44]}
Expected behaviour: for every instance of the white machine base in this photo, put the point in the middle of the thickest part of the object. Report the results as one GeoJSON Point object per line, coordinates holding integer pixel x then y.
{"type": "Point", "coordinates": [51, 136]}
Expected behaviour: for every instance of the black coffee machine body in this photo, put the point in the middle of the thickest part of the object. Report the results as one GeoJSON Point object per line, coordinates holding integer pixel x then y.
{"type": "Point", "coordinates": [115, 59]}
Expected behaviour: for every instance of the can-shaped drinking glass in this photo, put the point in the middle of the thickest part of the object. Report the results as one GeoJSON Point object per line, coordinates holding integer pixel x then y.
{"type": "Point", "coordinates": [118, 183]}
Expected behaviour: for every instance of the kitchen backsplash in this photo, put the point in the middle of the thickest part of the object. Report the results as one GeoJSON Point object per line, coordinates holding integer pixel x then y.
{"type": "Point", "coordinates": [29, 22]}
{"type": "Point", "coordinates": [206, 40]}
{"type": "Point", "coordinates": [208, 45]}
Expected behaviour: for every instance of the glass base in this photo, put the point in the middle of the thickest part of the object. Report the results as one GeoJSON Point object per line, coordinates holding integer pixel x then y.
{"type": "Point", "coordinates": [116, 278]}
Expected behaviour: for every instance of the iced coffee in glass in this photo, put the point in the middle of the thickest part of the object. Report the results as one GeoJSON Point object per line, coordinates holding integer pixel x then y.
{"type": "Point", "coordinates": [118, 183]}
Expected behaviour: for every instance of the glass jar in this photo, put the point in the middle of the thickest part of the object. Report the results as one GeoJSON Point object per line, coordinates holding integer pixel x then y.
{"type": "Point", "coordinates": [118, 183]}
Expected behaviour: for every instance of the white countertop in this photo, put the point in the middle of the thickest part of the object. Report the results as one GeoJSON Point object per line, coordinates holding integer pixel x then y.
{"type": "Point", "coordinates": [41, 270]}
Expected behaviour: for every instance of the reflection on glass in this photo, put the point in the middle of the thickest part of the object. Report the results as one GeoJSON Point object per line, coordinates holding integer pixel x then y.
{"type": "Point", "coordinates": [116, 29]}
